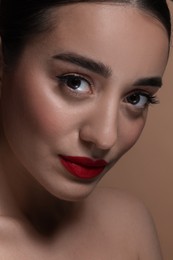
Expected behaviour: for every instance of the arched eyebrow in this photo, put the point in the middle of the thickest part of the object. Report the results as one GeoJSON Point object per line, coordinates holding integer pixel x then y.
{"type": "Point", "coordinates": [102, 69]}
{"type": "Point", "coordinates": [149, 81]}
{"type": "Point", "coordinates": [86, 63]}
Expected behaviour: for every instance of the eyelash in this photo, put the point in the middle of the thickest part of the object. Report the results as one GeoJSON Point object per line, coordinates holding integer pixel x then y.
{"type": "Point", "coordinates": [76, 91]}
{"type": "Point", "coordinates": [151, 99]}
{"type": "Point", "coordinates": [63, 80]}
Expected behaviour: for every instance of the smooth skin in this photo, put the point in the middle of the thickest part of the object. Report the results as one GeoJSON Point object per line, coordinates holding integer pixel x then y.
{"type": "Point", "coordinates": [43, 214]}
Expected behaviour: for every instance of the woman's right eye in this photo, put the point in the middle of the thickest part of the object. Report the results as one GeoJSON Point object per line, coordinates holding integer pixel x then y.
{"type": "Point", "coordinates": [76, 83]}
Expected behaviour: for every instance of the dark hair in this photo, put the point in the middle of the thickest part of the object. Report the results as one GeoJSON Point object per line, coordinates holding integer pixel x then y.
{"type": "Point", "coordinates": [21, 19]}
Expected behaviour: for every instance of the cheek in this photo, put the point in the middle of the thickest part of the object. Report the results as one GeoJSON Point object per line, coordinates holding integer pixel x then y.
{"type": "Point", "coordinates": [36, 120]}
{"type": "Point", "coordinates": [130, 131]}
{"type": "Point", "coordinates": [26, 108]}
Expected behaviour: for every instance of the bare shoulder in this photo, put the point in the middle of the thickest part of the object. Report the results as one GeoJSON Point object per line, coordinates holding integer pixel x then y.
{"type": "Point", "coordinates": [13, 242]}
{"type": "Point", "coordinates": [9, 227]}
{"type": "Point", "coordinates": [125, 215]}
{"type": "Point", "coordinates": [9, 234]}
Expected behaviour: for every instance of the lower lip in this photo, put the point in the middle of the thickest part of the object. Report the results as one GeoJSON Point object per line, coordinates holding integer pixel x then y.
{"type": "Point", "coordinates": [81, 171]}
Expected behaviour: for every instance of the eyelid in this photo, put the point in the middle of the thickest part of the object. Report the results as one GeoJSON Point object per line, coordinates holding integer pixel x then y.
{"type": "Point", "coordinates": [148, 91]}
{"type": "Point", "coordinates": [81, 76]}
{"type": "Point", "coordinates": [151, 98]}
{"type": "Point", "coordinates": [77, 93]}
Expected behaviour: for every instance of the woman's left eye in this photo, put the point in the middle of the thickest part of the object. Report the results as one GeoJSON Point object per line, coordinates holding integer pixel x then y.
{"type": "Point", "coordinates": [76, 83]}
{"type": "Point", "coordinates": [140, 100]}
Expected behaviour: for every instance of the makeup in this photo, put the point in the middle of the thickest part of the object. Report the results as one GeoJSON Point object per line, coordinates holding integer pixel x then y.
{"type": "Point", "coordinates": [83, 167]}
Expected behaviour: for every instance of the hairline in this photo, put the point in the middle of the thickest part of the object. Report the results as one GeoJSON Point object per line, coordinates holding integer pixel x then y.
{"type": "Point", "coordinates": [48, 20]}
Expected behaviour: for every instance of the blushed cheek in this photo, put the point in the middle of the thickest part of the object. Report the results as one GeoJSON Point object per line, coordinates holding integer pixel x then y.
{"type": "Point", "coordinates": [46, 121]}
{"type": "Point", "coordinates": [48, 116]}
{"type": "Point", "coordinates": [132, 131]}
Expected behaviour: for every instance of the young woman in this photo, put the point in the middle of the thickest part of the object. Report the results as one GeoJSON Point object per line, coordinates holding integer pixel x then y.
{"type": "Point", "coordinates": [77, 78]}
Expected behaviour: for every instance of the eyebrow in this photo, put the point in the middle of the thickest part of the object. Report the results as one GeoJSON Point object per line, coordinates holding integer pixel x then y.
{"type": "Point", "coordinates": [149, 81]}
{"type": "Point", "coordinates": [103, 70]}
{"type": "Point", "coordinates": [86, 63]}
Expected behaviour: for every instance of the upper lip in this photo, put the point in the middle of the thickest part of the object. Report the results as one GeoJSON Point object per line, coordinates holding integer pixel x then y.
{"type": "Point", "coordinates": [85, 161]}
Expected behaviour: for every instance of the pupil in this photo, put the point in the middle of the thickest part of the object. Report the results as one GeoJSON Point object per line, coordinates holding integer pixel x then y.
{"type": "Point", "coordinates": [73, 82]}
{"type": "Point", "coordinates": [133, 99]}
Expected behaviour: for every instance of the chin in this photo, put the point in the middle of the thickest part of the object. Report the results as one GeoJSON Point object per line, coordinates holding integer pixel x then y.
{"type": "Point", "coordinates": [74, 192]}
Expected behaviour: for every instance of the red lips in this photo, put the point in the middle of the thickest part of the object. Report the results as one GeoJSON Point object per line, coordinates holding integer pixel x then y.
{"type": "Point", "coordinates": [83, 167]}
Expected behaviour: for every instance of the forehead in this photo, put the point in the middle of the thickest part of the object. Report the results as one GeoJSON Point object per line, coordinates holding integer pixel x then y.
{"type": "Point", "coordinates": [121, 36]}
{"type": "Point", "coordinates": [109, 15]}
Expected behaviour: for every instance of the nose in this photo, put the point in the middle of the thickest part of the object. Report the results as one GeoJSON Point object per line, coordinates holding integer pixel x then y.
{"type": "Point", "coordinates": [101, 127]}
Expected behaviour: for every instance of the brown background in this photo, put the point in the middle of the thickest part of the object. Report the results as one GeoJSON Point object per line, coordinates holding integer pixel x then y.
{"type": "Point", "coordinates": [147, 170]}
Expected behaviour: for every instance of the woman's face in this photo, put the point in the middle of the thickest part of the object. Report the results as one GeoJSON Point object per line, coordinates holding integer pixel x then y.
{"type": "Point", "coordinates": [82, 90]}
